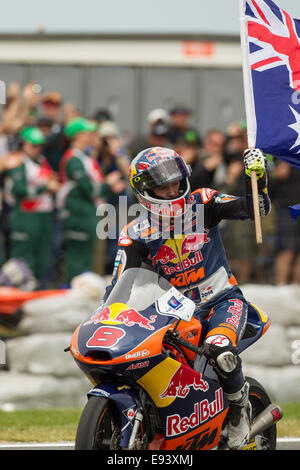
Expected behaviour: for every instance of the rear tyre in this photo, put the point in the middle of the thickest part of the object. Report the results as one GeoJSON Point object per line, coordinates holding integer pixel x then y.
{"type": "Point", "coordinates": [259, 399]}
{"type": "Point", "coordinates": [99, 425]}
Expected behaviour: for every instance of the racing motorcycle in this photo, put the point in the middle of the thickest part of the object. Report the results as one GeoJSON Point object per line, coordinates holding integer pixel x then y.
{"type": "Point", "coordinates": [152, 386]}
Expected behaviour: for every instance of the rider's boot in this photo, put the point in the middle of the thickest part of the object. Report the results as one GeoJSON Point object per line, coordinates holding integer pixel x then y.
{"type": "Point", "coordinates": [239, 418]}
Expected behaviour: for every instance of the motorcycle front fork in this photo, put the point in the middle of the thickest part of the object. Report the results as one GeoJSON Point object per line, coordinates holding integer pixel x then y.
{"type": "Point", "coordinates": [138, 419]}
{"type": "Point", "coordinates": [136, 426]}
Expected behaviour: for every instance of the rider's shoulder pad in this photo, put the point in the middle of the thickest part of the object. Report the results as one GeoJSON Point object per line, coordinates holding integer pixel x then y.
{"type": "Point", "coordinates": [206, 194]}
{"type": "Point", "coordinates": [124, 238]}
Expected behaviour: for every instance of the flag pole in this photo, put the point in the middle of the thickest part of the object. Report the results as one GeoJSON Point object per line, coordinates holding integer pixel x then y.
{"type": "Point", "coordinates": [250, 114]}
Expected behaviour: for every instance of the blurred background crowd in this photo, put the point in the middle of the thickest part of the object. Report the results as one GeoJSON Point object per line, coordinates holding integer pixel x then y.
{"type": "Point", "coordinates": [46, 241]}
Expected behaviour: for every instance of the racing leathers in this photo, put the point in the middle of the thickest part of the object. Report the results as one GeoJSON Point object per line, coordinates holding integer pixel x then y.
{"type": "Point", "coordinates": [196, 264]}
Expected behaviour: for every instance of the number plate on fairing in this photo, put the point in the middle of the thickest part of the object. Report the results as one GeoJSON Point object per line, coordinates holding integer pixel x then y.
{"type": "Point", "coordinates": [175, 304]}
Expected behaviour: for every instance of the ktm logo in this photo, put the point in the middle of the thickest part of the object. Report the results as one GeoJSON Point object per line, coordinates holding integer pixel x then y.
{"type": "Point", "coordinates": [198, 441]}
{"type": "Point", "coordinates": [188, 278]}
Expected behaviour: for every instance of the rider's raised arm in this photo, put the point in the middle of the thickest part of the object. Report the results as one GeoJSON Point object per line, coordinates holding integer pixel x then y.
{"type": "Point", "coordinates": [223, 206]}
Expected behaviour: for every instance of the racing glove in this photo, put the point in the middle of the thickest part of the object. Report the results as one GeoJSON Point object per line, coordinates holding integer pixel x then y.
{"type": "Point", "coordinates": [254, 160]}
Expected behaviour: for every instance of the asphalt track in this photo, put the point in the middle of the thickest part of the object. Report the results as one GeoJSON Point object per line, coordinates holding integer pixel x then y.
{"type": "Point", "coordinates": [286, 443]}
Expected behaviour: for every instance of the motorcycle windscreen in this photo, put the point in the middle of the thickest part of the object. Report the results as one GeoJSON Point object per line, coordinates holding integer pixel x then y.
{"type": "Point", "coordinates": [131, 314]}
{"type": "Point", "coordinates": [139, 288]}
{"type": "Point", "coordinates": [128, 317]}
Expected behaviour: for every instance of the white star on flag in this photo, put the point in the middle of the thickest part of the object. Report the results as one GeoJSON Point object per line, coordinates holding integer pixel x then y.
{"type": "Point", "coordinates": [296, 128]}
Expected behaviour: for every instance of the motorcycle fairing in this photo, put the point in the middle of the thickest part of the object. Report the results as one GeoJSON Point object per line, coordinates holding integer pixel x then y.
{"type": "Point", "coordinates": [191, 421]}
{"type": "Point", "coordinates": [189, 404]}
{"type": "Point", "coordinates": [205, 437]}
{"type": "Point", "coordinates": [99, 334]}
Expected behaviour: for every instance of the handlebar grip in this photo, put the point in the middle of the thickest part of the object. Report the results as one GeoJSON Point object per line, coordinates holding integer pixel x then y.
{"type": "Point", "coordinates": [188, 345]}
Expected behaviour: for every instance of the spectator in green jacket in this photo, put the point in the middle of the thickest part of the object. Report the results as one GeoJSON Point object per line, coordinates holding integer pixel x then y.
{"type": "Point", "coordinates": [82, 187]}
{"type": "Point", "coordinates": [32, 185]}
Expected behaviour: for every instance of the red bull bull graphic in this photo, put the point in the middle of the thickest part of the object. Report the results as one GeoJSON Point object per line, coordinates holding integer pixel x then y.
{"type": "Point", "coordinates": [181, 382]}
{"type": "Point", "coordinates": [193, 242]}
{"type": "Point", "coordinates": [202, 411]}
{"type": "Point", "coordinates": [99, 316]}
{"type": "Point", "coordinates": [132, 317]}
{"type": "Point", "coordinates": [165, 254]}
{"type": "Point", "coordinates": [117, 314]}
{"type": "Point", "coordinates": [178, 250]}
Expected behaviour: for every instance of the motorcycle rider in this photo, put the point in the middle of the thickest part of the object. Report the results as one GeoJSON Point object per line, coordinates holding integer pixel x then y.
{"type": "Point", "coordinates": [195, 263]}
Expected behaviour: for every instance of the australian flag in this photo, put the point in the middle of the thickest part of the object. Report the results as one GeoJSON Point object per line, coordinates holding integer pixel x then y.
{"type": "Point", "coordinates": [273, 39]}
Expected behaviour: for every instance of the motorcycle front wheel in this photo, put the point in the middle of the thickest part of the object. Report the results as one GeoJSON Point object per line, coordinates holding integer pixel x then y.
{"type": "Point", "coordinates": [99, 425]}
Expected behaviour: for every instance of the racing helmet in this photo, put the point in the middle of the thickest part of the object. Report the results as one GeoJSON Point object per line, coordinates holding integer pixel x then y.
{"type": "Point", "coordinates": [159, 166]}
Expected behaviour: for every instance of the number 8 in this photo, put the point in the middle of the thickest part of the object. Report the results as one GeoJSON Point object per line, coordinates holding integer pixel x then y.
{"type": "Point", "coordinates": [105, 337]}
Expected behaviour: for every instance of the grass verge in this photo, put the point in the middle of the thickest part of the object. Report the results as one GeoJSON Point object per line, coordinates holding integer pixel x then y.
{"type": "Point", "coordinates": [57, 425]}
{"type": "Point", "coordinates": [289, 425]}
{"type": "Point", "coordinates": [52, 425]}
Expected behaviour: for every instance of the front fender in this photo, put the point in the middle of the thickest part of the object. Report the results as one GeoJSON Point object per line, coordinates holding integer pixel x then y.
{"type": "Point", "coordinates": [126, 401]}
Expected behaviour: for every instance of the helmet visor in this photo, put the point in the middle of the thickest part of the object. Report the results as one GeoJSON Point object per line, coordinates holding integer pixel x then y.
{"type": "Point", "coordinates": [161, 173]}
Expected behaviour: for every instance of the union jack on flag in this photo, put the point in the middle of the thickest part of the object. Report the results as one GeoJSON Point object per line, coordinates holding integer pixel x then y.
{"type": "Point", "coordinates": [273, 86]}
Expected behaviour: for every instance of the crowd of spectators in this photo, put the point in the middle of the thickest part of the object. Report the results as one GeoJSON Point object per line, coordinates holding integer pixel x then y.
{"type": "Point", "coordinates": [38, 135]}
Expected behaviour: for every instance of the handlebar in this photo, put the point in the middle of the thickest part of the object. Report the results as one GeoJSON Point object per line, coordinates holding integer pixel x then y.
{"type": "Point", "coordinates": [186, 344]}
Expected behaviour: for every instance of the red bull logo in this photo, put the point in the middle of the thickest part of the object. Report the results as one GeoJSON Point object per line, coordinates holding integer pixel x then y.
{"type": "Point", "coordinates": [177, 251]}
{"type": "Point", "coordinates": [193, 242]}
{"type": "Point", "coordinates": [165, 254]}
{"type": "Point", "coordinates": [156, 153]}
{"type": "Point", "coordinates": [99, 316]}
{"type": "Point", "coordinates": [117, 314]}
{"type": "Point", "coordinates": [236, 311]}
{"type": "Point", "coordinates": [202, 412]}
{"type": "Point", "coordinates": [181, 382]}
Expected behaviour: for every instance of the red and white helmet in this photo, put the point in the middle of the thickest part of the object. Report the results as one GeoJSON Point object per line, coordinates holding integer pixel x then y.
{"type": "Point", "coordinates": [155, 167]}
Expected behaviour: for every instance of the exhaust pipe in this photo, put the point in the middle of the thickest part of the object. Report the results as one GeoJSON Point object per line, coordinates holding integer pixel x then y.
{"type": "Point", "coordinates": [265, 419]}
